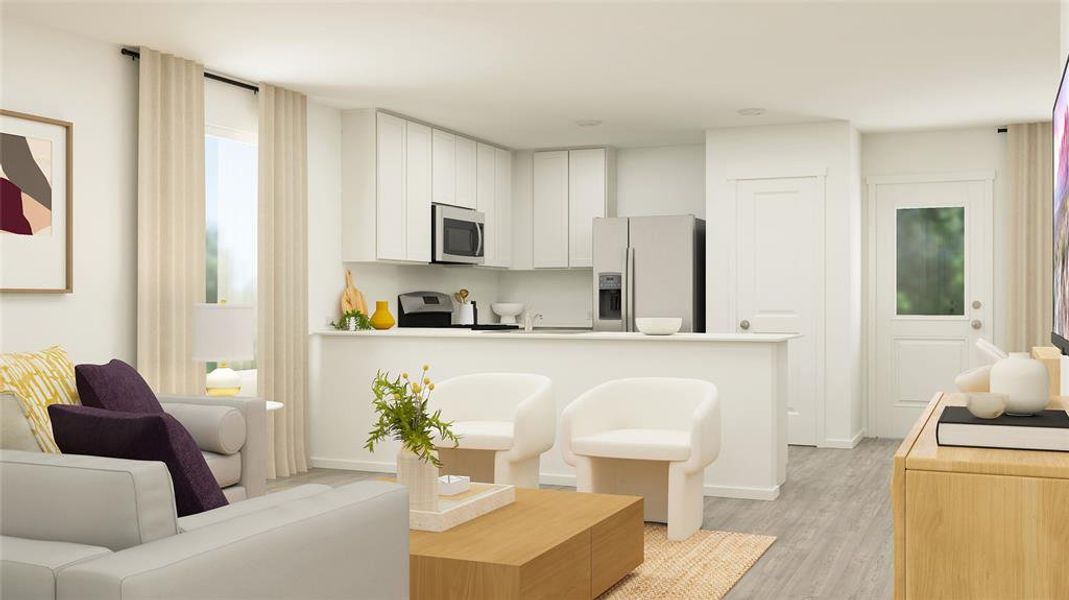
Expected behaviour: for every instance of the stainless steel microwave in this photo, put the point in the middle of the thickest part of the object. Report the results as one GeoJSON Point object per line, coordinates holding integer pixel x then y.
{"type": "Point", "coordinates": [457, 235]}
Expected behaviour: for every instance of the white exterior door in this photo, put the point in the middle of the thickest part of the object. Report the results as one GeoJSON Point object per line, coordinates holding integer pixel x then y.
{"type": "Point", "coordinates": [932, 289]}
{"type": "Point", "coordinates": [779, 233]}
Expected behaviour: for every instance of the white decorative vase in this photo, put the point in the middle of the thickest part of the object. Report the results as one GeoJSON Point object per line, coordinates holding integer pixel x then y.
{"type": "Point", "coordinates": [1024, 381]}
{"type": "Point", "coordinates": [420, 478]}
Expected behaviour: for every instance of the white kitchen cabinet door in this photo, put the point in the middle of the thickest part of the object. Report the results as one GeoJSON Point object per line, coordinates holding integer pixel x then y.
{"type": "Point", "coordinates": [467, 173]}
{"type": "Point", "coordinates": [418, 192]}
{"type": "Point", "coordinates": [391, 217]}
{"type": "Point", "coordinates": [444, 168]}
{"type": "Point", "coordinates": [503, 207]}
{"type": "Point", "coordinates": [484, 201]}
{"type": "Point", "coordinates": [587, 200]}
{"type": "Point", "coordinates": [550, 210]}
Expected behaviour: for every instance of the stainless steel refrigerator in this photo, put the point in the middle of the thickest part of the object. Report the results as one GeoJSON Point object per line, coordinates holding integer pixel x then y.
{"type": "Point", "coordinates": [649, 267]}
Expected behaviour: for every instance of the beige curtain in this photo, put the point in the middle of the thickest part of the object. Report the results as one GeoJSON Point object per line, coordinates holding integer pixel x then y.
{"type": "Point", "coordinates": [282, 293]}
{"type": "Point", "coordinates": [170, 220]}
{"type": "Point", "coordinates": [1028, 308]}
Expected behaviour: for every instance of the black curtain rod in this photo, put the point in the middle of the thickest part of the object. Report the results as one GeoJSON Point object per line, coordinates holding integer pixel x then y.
{"type": "Point", "coordinates": [1001, 130]}
{"type": "Point", "coordinates": [134, 54]}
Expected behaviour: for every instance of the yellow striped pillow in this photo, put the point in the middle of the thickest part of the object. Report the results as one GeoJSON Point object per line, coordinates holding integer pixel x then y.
{"type": "Point", "coordinates": [39, 379]}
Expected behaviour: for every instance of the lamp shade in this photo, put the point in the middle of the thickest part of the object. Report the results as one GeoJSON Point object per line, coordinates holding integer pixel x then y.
{"type": "Point", "coordinates": [223, 332]}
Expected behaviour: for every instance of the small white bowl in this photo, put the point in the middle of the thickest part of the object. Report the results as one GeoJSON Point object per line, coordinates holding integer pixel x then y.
{"type": "Point", "coordinates": [985, 405]}
{"type": "Point", "coordinates": [507, 311]}
{"type": "Point", "coordinates": [658, 325]}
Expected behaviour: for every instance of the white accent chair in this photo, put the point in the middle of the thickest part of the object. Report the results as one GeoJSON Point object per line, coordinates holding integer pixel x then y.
{"type": "Point", "coordinates": [512, 415]}
{"type": "Point", "coordinates": [649, 437]}
{"type": "Point", "coordinates": [91, 528]}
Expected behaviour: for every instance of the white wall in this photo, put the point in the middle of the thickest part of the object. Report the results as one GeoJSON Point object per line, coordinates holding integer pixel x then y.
{"type": "Point", "coordinates": [793, 150]}
{"type": "Point", "coordinates": [326, 277]}
{"type": "Point", "coordinates": [972, 149]}
{"type": "Point", "coordinates": [662, 180]}
{"type": "Point", "coordinates": [564, 298]}
{"type": "Point", "coordinates": [54, 74]}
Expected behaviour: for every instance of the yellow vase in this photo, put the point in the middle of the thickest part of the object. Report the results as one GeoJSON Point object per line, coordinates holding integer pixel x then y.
{"type": "Point", "coordinates": [382, 319]}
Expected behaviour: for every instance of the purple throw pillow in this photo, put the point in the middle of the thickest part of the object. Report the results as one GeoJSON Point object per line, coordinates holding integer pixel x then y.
{"type": "Point", "coordinates": [115, 386]}
{"type": "Point", "coordinates": [98, 432]}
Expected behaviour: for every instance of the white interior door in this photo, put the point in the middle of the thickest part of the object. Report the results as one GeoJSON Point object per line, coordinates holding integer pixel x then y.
{"type": "Point", "coordinates": [779, 235]}
{"type": "Point", "coordinates": [932, 291]}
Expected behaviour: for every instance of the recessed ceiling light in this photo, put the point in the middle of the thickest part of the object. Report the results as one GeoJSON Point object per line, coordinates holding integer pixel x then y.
{"type": "Point", "coordinates": [751, 112]}
{"type": "Point", "coordinates": [588, 122]}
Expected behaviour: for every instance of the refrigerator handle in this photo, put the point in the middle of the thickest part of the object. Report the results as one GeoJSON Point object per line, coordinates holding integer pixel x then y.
{"type": "Point", "coordinates": [629, 290]}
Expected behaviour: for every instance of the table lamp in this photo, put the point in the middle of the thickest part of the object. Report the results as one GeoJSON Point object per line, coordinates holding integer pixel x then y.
{"type": "Point", "coordinates": [223, 332]}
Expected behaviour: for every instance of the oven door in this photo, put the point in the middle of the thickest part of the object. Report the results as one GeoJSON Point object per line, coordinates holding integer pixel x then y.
{"type": "Point", "coordinates": [458, 235]}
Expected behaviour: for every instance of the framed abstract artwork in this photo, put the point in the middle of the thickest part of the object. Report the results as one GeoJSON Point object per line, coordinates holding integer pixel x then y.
{"type": "Point", "coordinates": [36, 246]}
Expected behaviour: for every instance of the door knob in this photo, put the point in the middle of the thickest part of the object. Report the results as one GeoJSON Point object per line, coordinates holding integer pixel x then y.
{"type": "Point", "coordinates": [977, 304]}
{"type": "Point", "coordinates": [744, 324]}
{"type": "Point", "coordinates": [976, 324]}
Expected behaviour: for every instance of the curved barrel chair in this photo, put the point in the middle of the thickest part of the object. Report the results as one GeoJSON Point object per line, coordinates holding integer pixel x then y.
{"type": "Point", "coordinates": [649, 436]}
{"type": "Point", "coordinates": [511, 415]}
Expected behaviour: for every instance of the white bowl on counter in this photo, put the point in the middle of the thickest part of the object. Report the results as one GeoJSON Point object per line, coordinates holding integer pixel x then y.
{"type": "Point", "coordinates": [508, 311]}
{"type": "Point", "coordinates": [658, 325]}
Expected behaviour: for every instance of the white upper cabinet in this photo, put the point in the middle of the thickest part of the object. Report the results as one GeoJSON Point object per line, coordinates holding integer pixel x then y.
{"type": "Point", "coordinates": [550, 210]}
{"type": "Point", "coordinates": [418, 191]}
{"type": "Point", "coordinates": [588, 198]}
{"type": "Point", "coordinates": [484, 201]}
{"type": "Point", "coordinates": [391, 213]}
{"type": "Point", "coordinates": [466, 172]}
{"type": "Point", "coordinates": [444, 167]}
{"type": "Point", "coordinates": [394, 168]}
{"type": "Point", "coordinates": [571, 189]}
{"type": "Point", "coordinates": [503, 207]}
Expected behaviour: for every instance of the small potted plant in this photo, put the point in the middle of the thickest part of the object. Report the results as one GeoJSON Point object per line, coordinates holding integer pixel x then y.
{"type": "Point", "coordinates": [401, 404]}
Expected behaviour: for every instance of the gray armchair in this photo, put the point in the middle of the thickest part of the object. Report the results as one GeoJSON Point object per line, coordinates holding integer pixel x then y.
{"type": "Point", "coordinates": [232, 435]}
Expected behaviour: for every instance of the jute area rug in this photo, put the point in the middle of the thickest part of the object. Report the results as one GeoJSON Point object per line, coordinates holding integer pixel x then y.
{"type": "Point", "coordinates": [704, 566]}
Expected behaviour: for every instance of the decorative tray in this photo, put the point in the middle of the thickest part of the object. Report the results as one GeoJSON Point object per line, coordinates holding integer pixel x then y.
{"type": "Point", "coordinates": [461, 508]}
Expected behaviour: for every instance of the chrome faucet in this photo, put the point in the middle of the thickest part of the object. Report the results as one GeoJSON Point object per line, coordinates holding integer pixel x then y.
{"type": "Point", "coordinates": [529, 320]}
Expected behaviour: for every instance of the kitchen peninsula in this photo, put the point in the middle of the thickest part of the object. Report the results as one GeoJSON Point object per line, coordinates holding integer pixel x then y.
{"type": "Point", "coordinates": [749, 370]}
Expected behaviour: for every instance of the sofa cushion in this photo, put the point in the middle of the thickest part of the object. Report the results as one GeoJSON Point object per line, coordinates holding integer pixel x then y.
{"type": "Point", "coordinates": [219, 429]}
{"type": "Point", "coordinates": [29, 568]}
{"type": "Point", "coordinates": [251, 505]}
{"type": "Point", "coordinates": [85, 499]}
{"type": "Point", "coordinates": [635, 444]}
{"type": "Point", "coordinates": [226, 468]}
{"type": "Point", "coordinates": [482, 435]}
{"type": "Point", "coordinates": [39, 379]}
{"type": "Point", "coordinates": [115, 386]}
{"type": "Point", "coordinates": [15, 430]}
{"type": "Point", "coordinates": [98, 432]}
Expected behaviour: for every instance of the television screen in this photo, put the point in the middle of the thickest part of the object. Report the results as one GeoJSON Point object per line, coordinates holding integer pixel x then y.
{"type": "Point", "coordinates": [1060, 122]}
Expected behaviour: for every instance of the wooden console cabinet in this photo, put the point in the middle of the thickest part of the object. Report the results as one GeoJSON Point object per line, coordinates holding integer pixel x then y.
{"type": "Point", "coordinates": [978, 523]}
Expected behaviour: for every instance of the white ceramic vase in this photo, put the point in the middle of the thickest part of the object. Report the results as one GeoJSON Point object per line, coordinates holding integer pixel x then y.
{"type": "Point", "coordinates": [420, 478]}
{"type": "Point", "coordinates": [1024, 381]}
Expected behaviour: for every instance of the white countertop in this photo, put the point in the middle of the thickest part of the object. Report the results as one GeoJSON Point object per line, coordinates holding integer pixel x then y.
{"type": "Point", "coordinates": [430, 332]}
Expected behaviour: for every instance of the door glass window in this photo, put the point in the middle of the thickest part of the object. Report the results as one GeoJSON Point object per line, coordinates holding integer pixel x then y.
{"type": "Point", "coordinates": [931, 261]}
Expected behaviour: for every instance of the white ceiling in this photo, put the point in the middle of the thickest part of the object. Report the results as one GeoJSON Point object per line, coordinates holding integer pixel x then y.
{"type": "Point", "coordinates": [522, 74]}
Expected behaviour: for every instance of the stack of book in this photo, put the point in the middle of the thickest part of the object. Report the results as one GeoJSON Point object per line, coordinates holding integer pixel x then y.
{"type": "Point", "coordinates": [1047, 430]}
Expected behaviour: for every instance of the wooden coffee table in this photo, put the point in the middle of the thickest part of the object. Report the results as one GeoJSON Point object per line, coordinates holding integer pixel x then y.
{"type": "Point", "coordinates": [547, 544]}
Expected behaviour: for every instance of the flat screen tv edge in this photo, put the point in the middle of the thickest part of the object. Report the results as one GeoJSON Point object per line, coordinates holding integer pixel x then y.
{"type": "Point", "coordinates": [1060, 214]}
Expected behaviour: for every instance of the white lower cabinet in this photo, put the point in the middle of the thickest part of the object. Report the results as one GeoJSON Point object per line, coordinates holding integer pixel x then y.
{"type": "Point", "coordinates": [571, 189]}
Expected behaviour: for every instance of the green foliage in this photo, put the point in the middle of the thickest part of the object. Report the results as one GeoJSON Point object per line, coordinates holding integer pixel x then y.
{"type": "Point", "coordinates": [402, 408]}
{"type": "Point", "coordinates": [931, 261]}
{"type": "Point", "coordinates": [362, 321]}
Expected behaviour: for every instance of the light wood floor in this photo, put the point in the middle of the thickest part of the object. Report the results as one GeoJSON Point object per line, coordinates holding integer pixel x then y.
{"type": "Point", "coordinates": [832, 522]}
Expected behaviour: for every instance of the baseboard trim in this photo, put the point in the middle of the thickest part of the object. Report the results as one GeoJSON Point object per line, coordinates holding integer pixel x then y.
{"type": "Point", "coordinates": [844, 443]}
{"type": "Point", "coordinates": [565, 479]}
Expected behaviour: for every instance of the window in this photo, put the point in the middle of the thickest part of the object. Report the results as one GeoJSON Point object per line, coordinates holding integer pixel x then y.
{"type": "Point", "coordinates": [230, 203]}
{"type": "Point", "coordinates": [931, 261]}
